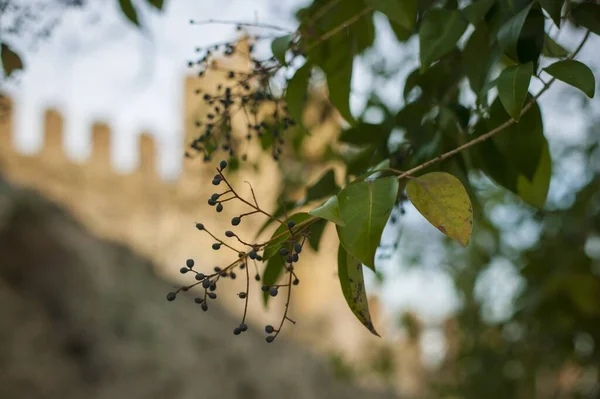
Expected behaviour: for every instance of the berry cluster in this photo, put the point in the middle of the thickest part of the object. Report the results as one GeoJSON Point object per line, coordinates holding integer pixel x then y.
{"type": "Point", "coordinates": [247, 93]}
{"type": "Point", "coordinates": [287, 246]}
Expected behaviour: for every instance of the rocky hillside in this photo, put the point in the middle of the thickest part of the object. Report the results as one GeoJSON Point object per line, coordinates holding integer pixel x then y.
{"type": "Point", "coordinates": [85, 318]}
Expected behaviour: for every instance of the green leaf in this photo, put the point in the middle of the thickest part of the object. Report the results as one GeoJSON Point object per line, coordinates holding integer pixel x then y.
{"type": "Point", "coordinates": [587, 15]}
{"type": "Point", "coordinates": [375, 169]}
{"type": "Point", "coordinates": [129, 11]}
{"type": "Point", "coordinates": [350, 273]}
{"type": "Point", "coordinates": [513, 85]}
{"type": "Point", "coordinates": [330, 210]}
{"type": "Point", "coordinates": [324, 187]}
{"type": "Point", "coordinates": [282, 234]}
{"type": "Point", "coordinates": [365, 207]}
{"type": "Point", "coordinates": [476, 11]}
{"type": "Point", "coordinates": [535, 192]}
{"type": "Point", "coordinates": [553, 8]}
{"type": "Point", "coordinates": [339, 83]}
{"type": "Point", "coordinates": [521, 143]}
{"type": "Point", "coordinates": [280, 46]}
{"type": "Point", "coordinates": [403, 12]}
{"type": "Point", "coordinates": [531, 39]}
{"type": "Point", "coordinates": [271, 274]}
{"type": "Point", "coordinates": [296, 93]}
{"type": "Point", "coordinates": [575, 73]}
{"type": "Point", "coordinates": [10, 60]}
{"type": "Point", "coordinates": [508, 35]}
{"type": "Point", "coordinates": [552, 49]}
{"type": "Point", "coordinates": [439, 32]}
{"type": "Point", "coordinates": [364, 133]}
{"type": "Point", "coordinates": [158, 4]}
{"type": "Point", "coordinates": [442, 199]}
{"type": "Point", "coordinates": [479, 56]}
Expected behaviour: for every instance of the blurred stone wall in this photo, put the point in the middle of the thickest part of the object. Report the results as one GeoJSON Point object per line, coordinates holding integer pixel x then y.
{"type": "Point", "coordinates": [156, 219]}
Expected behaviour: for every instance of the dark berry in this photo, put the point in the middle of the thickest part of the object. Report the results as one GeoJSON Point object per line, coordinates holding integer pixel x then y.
{"type": "Point", "coordinates": [264, 288]}
{"type": "Point", "coordinates": [223, 165]}
{"type": "Point", "coordinates": [295, 257]}
{"type": "Point", "coordinates": [217, 269]}
{"type": "Point", "coordinates": [216, 246]}
{"type": "Point", "coordinates": [199, 226]}
{"type": "Point", "coordinates": [257, 277]}
{"type": "Point", "coordinates": [290, 259]}
{"type": "Point", "coordinates": [200, 276]}
{"type": "Point", "coordinates": [237, 331]}
{"type": "Point", "coordinates": [204, 306]}
{"type": "Point", "coordinates": [243, 327]}
{"type": "Point", "coordinates": [235, 221]}
{"type": "Point", "coordinates": [269, 329]}
{"type": "Point", "coordinates": [189, 263]}
{"type": "Point", "coordinates": [242, 295]}
{"type": "Point", "coordinates": [296, 282]}
{"type": "Point", "coordinates": [259, 258]}
{"type": "Point", "coordinates": [215, 196]}
{"type": "Point", "coordinates": [229, 233]}
{"type": "Point", "coordinates": [252, 254]}
{"type": "Point", "coordinates": [216, 182]}
{"type": "Point", "coordinates": [171, 296]}
{"type": "Point", "coordinates": [291, 224]}
{"type": "Point", "coordinates": [298, 247]}
{"type": "Point", "coordinates": [198, 300]}
{"type": "Point", "coordinates": [213, 287]}
{"type": "Point", "coordinates": [270, 338]}
{"type": "Point", "coordinates": [212, 295]}
{"type": "Point", "coordinates": [212, 202]}
{"type": "Point", "coordinates": [219, 207]}
{"type": "Point", "coordinates": [284, 251]}
{"type": "Point", "coordinates": [232, 275]}
{"type": "Point", "coordinates": [184, 270]}
{"type": "Point", "coordinates": [206, 283]}
{"type": "Point", "coordinates": [273, 291]}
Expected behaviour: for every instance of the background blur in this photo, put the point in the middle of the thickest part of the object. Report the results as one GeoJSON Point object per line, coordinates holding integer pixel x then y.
{"type": "Point", "coordinates": [97, 123]}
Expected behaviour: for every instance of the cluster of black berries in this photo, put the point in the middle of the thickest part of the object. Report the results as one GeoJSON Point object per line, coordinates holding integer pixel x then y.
{"type": "Point", "coordinates": [246, 93]}
{"type": "Point", "coordinates": [289, 251]}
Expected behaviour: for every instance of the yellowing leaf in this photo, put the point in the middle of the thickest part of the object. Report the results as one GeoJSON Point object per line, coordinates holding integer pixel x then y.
{"type": "Point", "coordinates": [443, 201]}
